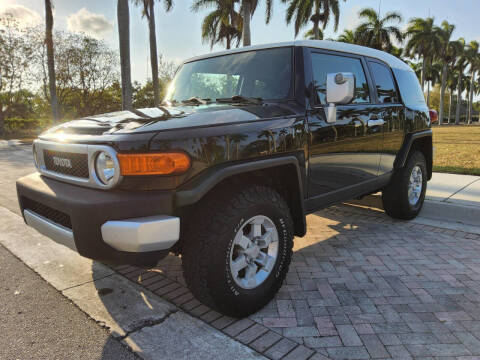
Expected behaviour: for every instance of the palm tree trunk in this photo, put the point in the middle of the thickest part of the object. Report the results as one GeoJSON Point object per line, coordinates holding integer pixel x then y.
{"type": "Point", "coordinates": [424, 65]}
{"type": "Point", "coordinates": [51, 60]}
{"type": "Point", "coordinates": [124, 45]}
{"type": "Point", "coordinates": [459, 98]}
{"type": "Point", "coordinates": [442, 93]}
{"type": "Point", "coordinates": [316, 31]}
{"type": "Point", "coordinates": [153, 53]}
{"type": "Point", "coordinates": [228, 42]}
{"type": "Point", "coordinates": [316, 18]}
{"type": "Point", "coordinates": [470, 101]}
{"type": "Point", "coordinates": [246, 34]}
{"type": "Point", "coordinates": [2, 119]}
{"type": "Point", "coordinates": [450, 107]}
{"type": "Point", "coordinates": [428, 94]}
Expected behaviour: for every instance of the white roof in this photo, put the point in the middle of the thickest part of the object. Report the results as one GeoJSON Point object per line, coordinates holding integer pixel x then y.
{"type": "Point", "coordinates": [391, 60]}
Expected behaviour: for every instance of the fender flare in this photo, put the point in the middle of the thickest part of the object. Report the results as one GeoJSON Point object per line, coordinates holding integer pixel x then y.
{"type": "Point", "coordinates": [197, 188]}
{"type": "Point", "coordinates": [407, 145]}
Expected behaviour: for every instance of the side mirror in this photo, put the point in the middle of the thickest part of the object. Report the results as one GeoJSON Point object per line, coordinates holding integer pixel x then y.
{"type": "Point", "coordinates": [340, 90]}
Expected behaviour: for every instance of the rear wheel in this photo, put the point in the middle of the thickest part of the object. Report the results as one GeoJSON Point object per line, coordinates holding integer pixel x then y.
{"type": "Point", "coordinates": [403, 198]}
{"type": "Point", "coordinates": [236, 258]}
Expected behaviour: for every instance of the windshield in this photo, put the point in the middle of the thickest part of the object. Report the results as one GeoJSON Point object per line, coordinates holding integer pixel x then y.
{"type": "Point", "coordinates": [265, 74]}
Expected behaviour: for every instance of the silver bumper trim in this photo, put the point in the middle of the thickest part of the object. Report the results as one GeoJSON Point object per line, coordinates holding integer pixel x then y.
{"type": "Point", "coordinates": [150, 233]}
{"type": "Point", "coordinates": [54, 231]}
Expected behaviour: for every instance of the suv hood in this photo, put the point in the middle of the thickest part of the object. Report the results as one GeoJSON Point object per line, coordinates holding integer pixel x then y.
{"type": "Point", "coordinates": [172, 118]}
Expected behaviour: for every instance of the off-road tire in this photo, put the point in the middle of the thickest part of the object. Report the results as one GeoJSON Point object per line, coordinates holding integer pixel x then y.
{"type": "Point", "coordinates": [395, 195]}
{"type": "Point", "coordinates": [207, 244]}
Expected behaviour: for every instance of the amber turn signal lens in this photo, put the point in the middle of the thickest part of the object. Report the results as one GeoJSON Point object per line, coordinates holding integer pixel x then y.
{"type": "Point", "coordinates": [153, 164]}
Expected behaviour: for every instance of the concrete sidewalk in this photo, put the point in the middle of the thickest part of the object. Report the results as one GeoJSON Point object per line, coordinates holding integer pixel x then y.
{"type": "Point", "coordinates": [454, 189]}
{"type": "Point", "coordinates": [452, 201]}
{"type": "Point", "coordinates": [453, 198]}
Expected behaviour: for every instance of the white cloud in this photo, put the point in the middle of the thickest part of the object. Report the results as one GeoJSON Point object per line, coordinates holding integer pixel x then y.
{"type": "Point", "coordinates": [95, 25]}
{"type": "Point", "coordinates": [22, 14]}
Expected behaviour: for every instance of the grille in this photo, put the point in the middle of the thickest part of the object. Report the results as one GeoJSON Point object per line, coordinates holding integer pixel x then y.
{"type": "Point", "coordinates": [67, 163]}
{"type": "Point", "coordinates": [56, 216]}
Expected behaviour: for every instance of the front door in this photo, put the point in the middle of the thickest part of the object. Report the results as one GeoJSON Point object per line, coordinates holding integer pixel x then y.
{"type": "Point", "coordinates": [344, 154]}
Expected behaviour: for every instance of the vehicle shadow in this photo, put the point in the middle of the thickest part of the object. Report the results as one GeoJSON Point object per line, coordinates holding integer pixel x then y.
{"type": "Point", "coordinates": [330, 250]}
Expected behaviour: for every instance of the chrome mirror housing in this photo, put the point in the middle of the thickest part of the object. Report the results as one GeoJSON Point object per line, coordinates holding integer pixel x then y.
{"type": "Point", "coordinates": [340, 90]}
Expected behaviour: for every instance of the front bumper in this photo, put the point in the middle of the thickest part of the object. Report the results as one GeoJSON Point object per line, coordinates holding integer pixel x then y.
{"type": "Point", "coordinates": [115, 226]}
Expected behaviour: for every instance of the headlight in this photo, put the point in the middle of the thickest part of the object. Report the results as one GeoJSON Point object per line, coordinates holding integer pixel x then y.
{"type": "Point", "coordinates": [105, 168]}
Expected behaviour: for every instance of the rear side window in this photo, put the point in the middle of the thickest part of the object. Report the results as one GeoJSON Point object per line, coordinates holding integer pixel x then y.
{"type": "Point", "coordinates": [410, 90]}
{"type": "Point", "coordinates": [324, 64]}
{"type": "Point", "coordinates": [384, 83]}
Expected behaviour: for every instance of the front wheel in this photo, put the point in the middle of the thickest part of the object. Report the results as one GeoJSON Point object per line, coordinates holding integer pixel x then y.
{"type": "Point", "coordinates": [403, 198]}
{"type": "Point", "coordinates": [237, 257]}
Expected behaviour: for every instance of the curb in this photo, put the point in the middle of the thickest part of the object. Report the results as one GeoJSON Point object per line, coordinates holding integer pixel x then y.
{"type": "Point", "coordinates": [131, 314]}
{"type": "Point", "coordinates": [436, 213]}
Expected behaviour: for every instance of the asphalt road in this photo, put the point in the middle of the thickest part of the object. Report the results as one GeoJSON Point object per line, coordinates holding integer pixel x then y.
{"type": "Point", "coordinates": [36, 321]}
{"type": "Point", "coordinates": [15, 162]}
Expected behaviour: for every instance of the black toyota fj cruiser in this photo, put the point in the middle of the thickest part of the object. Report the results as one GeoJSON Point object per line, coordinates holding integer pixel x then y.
{"type": "Point", "coordinates": [248, 142]}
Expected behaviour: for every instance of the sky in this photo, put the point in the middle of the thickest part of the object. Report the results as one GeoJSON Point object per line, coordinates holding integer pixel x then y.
{"type": "Point", "coordinates": [179, 31]}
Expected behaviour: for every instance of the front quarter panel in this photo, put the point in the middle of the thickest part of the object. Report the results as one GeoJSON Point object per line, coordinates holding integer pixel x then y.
{"type": "Point", "coordinates": [217, 145]}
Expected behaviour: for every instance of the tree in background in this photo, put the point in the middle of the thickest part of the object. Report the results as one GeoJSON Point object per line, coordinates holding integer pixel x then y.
{"type": "Point", "coordinates": [459, 66]}
{"type": "Point", "coordinates": [247, 10]}
{"type": "Point", "coordinates": [311, 36]}
{"type": "Point", "coordinates": [123, 19]}
{"type": "Point", "coordinates": [472, 57]}
{"type": "Point", "coordinates": [16, 55]}
{"type": "Point", "coordinates": [51, 59]}
{"type": "Point", "coordinates": [447, 54]}
{"type": "Point", "coordinates": [376, 32]}
{"type": "Point", "coordinates": [86, 73]}
{"type": "Point", "coordinates": [432, 77]}
{"type": "Point", "coordinates": [423, 41]}
{"type": "Point", "coordinates": [348, 36]}
{"type": "Point", "coordinates": [149, 13]}
{"type": "Point", "coordinates": [316, 11]}
{"type": "Point", "coordinates": [451, 85]}
{"type": "Point", "coordinates": [222, 25]}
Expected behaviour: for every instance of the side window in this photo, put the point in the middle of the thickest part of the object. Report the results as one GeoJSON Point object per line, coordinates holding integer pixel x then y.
{"type": "Point", "coordinates": [383, 79]}
{"type": "Point", "coordinates": [324, 64]}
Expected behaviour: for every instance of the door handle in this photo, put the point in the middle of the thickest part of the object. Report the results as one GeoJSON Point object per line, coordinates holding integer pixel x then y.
{"type": "Point", "coordinates": [375, 122]}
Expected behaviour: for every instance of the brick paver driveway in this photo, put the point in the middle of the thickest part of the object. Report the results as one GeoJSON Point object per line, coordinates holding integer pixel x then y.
{"type": "Point", "coordinates": [360, 286]}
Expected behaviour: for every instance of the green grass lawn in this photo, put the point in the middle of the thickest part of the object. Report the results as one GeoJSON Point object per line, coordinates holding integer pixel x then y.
{"type": "Point", "coordinates": [457, 149]}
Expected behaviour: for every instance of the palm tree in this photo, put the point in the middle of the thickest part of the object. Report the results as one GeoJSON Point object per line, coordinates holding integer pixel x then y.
{"type": "Point", "coordinates": [348, 36]}
{"type": "Point", "coordinates": [316, 11]}
{"type": "Point", "coordinates": [452, 85]}
{"type": "Point", "coordinates": [424, 41]}
{"type": "Point", "coordinates": [149, 13]}
{"type": "Point", "coordinates": [458, 67]}
{"type": "Point", "coordinates": [472, 57]}
{"type": "Point", "coordinates": [375, 31]}
{"type": "Point", "coordinates": [247, 10]}
{"type": "Point", "coordinates": [397, 51]}
{"type": "Point", "coordinates": [432, 76]}
{"type": "Point", "coordinates": [51, 59]}
{"type": "Point", "coordinates": [223, 24]}
{"type": "Point", "coordinates": [124, 44]}
{"type": "Point", "coordinates": [311, 36]}
{"type": "Point", "coordinates": [448, 54]}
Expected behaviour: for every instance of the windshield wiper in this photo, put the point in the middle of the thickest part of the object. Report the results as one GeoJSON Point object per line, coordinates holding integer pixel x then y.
{"type": "Point", "coordinates": [195, 101]}
{"type": "Point", "coordinates": [240, 99]}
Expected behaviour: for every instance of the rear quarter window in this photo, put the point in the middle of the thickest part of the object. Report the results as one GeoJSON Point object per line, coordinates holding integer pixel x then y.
{"type": "Point", "coordinates": [410, 90]}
